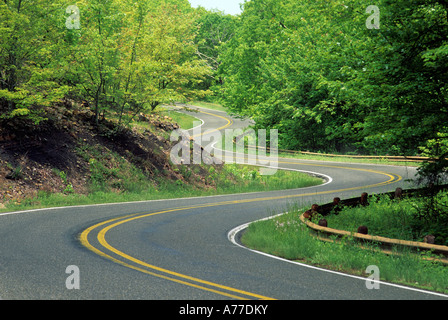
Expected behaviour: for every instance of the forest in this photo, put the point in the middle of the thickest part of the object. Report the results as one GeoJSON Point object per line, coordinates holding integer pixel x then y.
{"type": "Point", "coordinates": [316, 71]}
{"type": "Point", "coordinates": [344, 76]}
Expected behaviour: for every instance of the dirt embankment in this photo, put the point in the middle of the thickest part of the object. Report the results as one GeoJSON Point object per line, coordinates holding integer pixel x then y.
{"type": "Point", "coordinates": [47, 157]}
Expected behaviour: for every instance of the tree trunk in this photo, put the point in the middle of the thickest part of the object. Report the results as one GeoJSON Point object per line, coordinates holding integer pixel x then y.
{"type": "Point", "coordinates": [154, 104]}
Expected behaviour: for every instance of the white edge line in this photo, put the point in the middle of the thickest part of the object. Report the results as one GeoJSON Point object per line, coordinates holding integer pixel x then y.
{"type": "Point", "coordinates": [232, 234]}
{"type": "Point", "coordinates": [323, 161]}
{"type": "Point", "coordinates": [179, 110]}
{"type": "Point", "coordinates": [198, 126]}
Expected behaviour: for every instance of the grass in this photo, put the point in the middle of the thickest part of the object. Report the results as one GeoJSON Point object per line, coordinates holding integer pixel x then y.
{"type": "Point", "coordinates": [254, 150]}
{"type": "Point", "coordinates": [248, 179]}
{"type": "Point", "coordinates": [383, 218]}
{"type": "Point", "coordinates": [119, 181]}
{"type": "Point", "coordinates": [208, 105]}
{"type": "Point", "coordinates": [185, 121]}
{"type": "Point", "coordinates": [407, 219]}
{"type": "Point", "coordinates": [287, 237]}
{"type": "Point", "coordinates": [323, 157]}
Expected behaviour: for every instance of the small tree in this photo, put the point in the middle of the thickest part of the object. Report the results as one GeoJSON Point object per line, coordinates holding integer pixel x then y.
{"type": "Point", "coordinates": [433, 172]}
{"type": "Point", "coordinates": [433, 211]}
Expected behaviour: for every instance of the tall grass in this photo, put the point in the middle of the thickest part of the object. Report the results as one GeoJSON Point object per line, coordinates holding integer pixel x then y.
{"type": "Point", "coordinates": [323, 157]}
{"type": "Point", "coordinates": [392, 219]}
{"type": "Point", "coordinates": [285, 236]}
{"type": "Point", "coordinates": [404, 219]}
{"type": "Point", "coordinates": [245, 178]}
{"type": "Point", "coordinates": [208, 105]}
{"type": "Point", "coordinates": [185, 121]}
{"type": "Point", "coordinates": [112, 179]}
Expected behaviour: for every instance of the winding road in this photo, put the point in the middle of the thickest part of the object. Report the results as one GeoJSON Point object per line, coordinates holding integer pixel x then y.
{"type": "Point", "coordinates": [184, 249]}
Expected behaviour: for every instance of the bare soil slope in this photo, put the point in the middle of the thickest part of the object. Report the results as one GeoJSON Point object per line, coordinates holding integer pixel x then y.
{"type": "Point", "coordinates": [48, 156]}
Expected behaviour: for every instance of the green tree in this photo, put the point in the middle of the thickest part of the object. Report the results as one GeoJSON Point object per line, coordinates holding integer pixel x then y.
{"type": "Point", "coordinates": [131, 57]}
{"type": "Point", "coordinates": [95, 57]}
{"type": "Point", "coordinates": [284, 66]}
{"type": "Point", "coordinates": [313, 70]}
{"type": "Point", "coordinates": [161, 63]}
{"type": "Point", "coordinates": [30, 55]}
{"type": "Point", "coordinates": [215, 31]}
{"type": "Point", "coordinates": [120, 56]}
{"type": "Point", "coordinates": [405, 83]}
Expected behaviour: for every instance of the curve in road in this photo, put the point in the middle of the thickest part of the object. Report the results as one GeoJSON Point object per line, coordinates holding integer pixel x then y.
{"type": "Point", "coordinates": [180, 248]}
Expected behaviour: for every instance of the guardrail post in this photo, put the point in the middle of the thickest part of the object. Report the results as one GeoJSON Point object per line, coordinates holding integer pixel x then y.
{"type": "Point", "coordinates": [429, 239]}
{"type": "Point", "coordinates": [385, 243]}
{"type": "Point", "coordinates": [364, 201]}
{"type": "Point", "coordinates": [323, 223]}
{"type": "Point", "coordinates": [308, 214]}
{"type": "Point", "coordinates": [398, 193]}
{"type": "Point", "coordinates": [336, 205]}
{"type": "Point", "coordinates": [363, 230]}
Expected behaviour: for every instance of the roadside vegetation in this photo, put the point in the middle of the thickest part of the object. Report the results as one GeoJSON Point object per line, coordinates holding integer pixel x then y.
{"type": "Point", "coordinates": [209, 105]}
{"type": "Point", "coordinates": [348, 159]}
{"type": "Point", "coordinates": [287, 237]}
{"type": "Point", "coordinates": [184, 121]}
{"type": "Point", "coordinates": [254, 150]}
{"type": "Point", "coordinates": [113, 179]}
{"type": "Point", "coordinates": [164, 114]}
{"type": "Point", "coordinates": [115, 162]}
{"type": "Point", "coordinates": [410, 219]}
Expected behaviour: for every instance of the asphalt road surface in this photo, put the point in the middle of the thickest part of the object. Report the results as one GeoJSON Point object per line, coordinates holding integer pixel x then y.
{"type": "Point", "coordinates": [180, 249]}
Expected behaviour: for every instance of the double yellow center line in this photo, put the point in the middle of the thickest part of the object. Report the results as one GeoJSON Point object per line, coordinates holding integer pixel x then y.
{"type": "Point", "coordinates": [136, 264]}
{"type": "Point", "coordinates": [100, 230]}
{"type": "Point", "coordinates": [106, 250]}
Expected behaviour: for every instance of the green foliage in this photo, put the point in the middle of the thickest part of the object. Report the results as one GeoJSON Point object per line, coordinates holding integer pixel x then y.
{"type": "Point", "coordinates": [244, 178]}
{"type": "Point", "coordinates": [385, 218]}
{"type": "Point", "coordinates": [30, 54]}
{"type": "Point", "coordinates": [287, 237]}
{"type": "Point", "coordinates": [432, 216]}
{"type": "Point", "coordinates": [315, 72]}
{"type": "Point", "coordinates": [125, 57]}
{"type": "Point", "coordinates": [68, 186]}
{"type": "Point", "coordinates": [408, 219]}
{"type": "Point", "coordinates": [216, 29]}
{"type": "Point", "coordinates": [111, 173]}
{"type": "Point", "coordinates": [16, 172]}
{"type": "Point", "coordinates": [433, 171]}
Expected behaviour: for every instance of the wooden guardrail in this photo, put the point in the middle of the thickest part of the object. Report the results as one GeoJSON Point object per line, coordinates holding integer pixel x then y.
{"type": "Point", "coordinates": [394, 158]}
{"type": "Point", "coordinates": [323, 232]}
{"type": "Point", "coordinates": [330, 155]}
